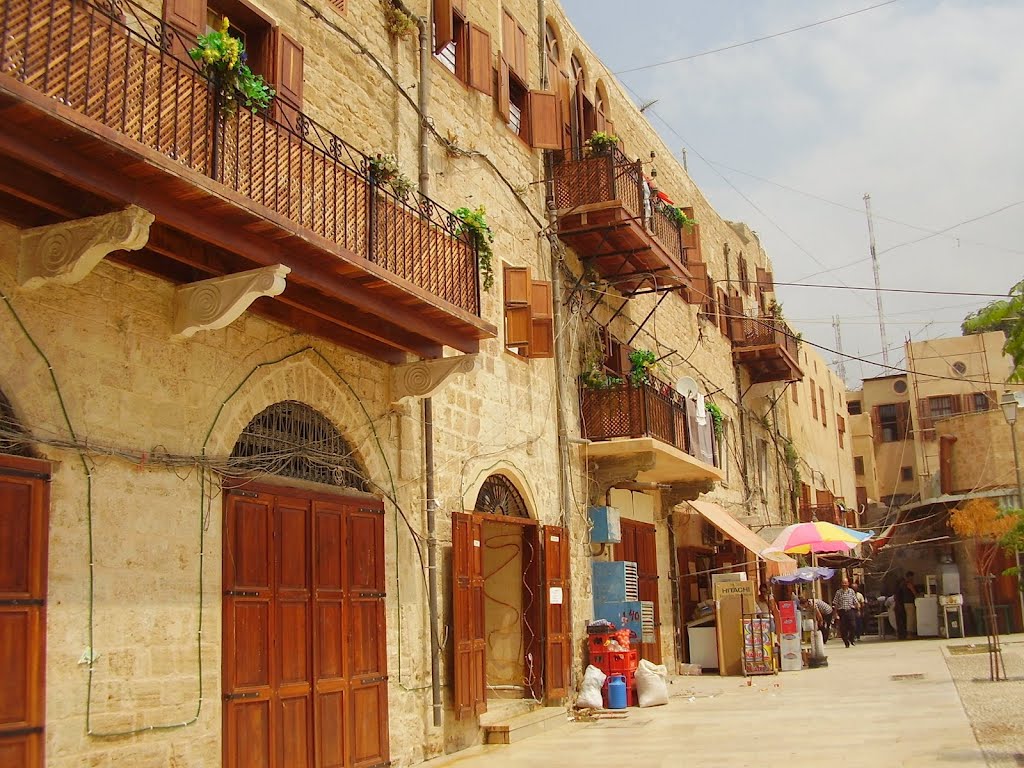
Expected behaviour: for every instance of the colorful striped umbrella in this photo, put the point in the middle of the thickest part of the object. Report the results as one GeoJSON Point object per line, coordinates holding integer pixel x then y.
{"type": "Point", "coordinates": [803, 538]}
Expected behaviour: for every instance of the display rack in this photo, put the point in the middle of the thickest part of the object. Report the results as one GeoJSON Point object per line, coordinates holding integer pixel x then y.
{"type": "Point", "coordinates": [758, 644]}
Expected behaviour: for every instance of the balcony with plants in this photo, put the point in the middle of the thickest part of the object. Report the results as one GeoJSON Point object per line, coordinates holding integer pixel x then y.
{"type": "Point", "coordinates": [637, 415]}
{"type": "Point", "coordinates": [100, 109]}
{"type": "Point", "coordinates": [765, 345]}
{"type": "Point", "coordinates": [616, 221]}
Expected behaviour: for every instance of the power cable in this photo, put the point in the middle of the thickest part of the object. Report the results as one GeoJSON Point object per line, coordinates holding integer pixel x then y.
{"type": "Point", "coordinates": [921, 291]}
{"type": "Point", "coordinates": [755, 40]}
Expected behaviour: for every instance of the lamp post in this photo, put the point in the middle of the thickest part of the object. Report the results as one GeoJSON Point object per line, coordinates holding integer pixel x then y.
{"type": "Point", "coordinates": [1009, 405]}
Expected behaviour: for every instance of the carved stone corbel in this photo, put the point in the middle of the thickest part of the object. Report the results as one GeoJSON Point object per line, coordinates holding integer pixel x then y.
{"type": "Point", "coordinates": [423, 378]}
{"type": "Point", "coordinates": [217, 302]}
{"type": "Point", "coordinates": [67, 252]}
{"type": "Point", "coordinates": [609, 471]}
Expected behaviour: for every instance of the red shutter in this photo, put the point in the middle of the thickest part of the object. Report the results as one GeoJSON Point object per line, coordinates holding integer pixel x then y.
{"type": "Point", "coordinates": [513, 44]}
{"type": "Point", "coordinates": [444, 24]}
{"type": "Point", "coordinates": [188, 19]}
{"type": "Point", "coordinates": [502, 96]}
{"type": "Point", "coordinates": [542, 340]}
{"type": "Point", "coordinates": [481, 74]}
{"type": "Point", "coordinates": [468, 616]}
{"type": "Point", "coordinates": [289, 78]}
{"type": "Point", "coordinates": [517, 286]}
{"type": "Point", "coordinates": [545, 130]}
{"type": "Point", "coordinates": [557, 646]}
{"type": "Point", "coordinates": [520, 51]}
{"type": "Point", "coordinates": [24, 509]}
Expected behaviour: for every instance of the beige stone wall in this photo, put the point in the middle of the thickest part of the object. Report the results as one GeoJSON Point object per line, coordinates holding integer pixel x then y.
{"type": "Point", "coordinates": [891, 457]}
{"type": "Point", "coordinates": [864, 447]}
{"type": "Point", "coordinates": [982, 452]}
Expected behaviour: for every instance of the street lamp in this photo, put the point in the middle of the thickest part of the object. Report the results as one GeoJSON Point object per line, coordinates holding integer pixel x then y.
{"type": "Point", "coordinates": [1009, 406]}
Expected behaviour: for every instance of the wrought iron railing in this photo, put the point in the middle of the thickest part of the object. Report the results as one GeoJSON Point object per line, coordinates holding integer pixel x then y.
{"type": "Point", "coordinates": [765, 331]}
{"type": "Point", "coordinates": [588, 180]}
{"type": "Point", "coordinates": [650, 410]}
{"type": "Point", "coordinates": [113, 62]}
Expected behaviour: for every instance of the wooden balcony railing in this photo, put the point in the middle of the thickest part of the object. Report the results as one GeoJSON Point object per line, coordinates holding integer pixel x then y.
{"type": "Point", "coordinates": [652, 410]}
{"type": "Point", "coordinates": [111, 62]}
{"type": "Point", "coordinates": [763, 332]}
{"type": "Point", "coordinates": [824, 513]}
{"type": "Point", "coordinates": [583, 181]}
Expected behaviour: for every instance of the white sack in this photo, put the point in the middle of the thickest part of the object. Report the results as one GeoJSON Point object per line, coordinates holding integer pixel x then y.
{"type": "Point", "coordinates": [590, 689]}
{"type": "Point", "coordinates": [651, 684]}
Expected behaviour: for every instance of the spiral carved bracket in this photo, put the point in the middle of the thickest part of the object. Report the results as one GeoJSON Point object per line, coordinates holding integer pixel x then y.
{"type": "Point", "coordinates": [423, 378]}
{"type": "Point", "coordinates": [65, 253]}
{"type": "Point", "coordinates": [217, 302]}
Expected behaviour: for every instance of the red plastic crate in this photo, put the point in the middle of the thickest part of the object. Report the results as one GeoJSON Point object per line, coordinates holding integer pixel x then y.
{"type": "Point", "coordinates": [630, 688]}
{"type": "Point", "coordinates": [599, 643]}
{"type": "Point", "coordinates": [615, 662]}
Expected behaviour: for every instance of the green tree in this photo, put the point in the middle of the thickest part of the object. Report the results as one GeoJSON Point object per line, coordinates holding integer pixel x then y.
{"type": "Point", "coordinates": [1006, 315]}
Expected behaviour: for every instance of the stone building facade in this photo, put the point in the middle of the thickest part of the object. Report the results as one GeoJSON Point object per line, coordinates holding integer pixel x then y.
{"type": "Point", "coordinates": [235, 492]}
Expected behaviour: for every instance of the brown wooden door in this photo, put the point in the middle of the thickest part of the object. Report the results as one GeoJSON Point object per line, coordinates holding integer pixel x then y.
{"type": "Point", "coordinates": [470, 663]}
{"type": "Point", "coordinates": [304, 641]}
{"type": "Point", "coordinates": [557, 645]}
{"type": "Point", "coordinates": [24, 511]}
{"type": "Point", "coordinates": [639, 546]}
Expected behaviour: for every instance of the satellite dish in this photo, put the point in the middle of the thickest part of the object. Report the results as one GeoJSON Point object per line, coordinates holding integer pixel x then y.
{"type": "Point", "coordinates": [687, 387]}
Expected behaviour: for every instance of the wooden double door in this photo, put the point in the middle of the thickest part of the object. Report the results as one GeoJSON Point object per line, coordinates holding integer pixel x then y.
{"type": "Point", "coordinates": [304, 671]}
{"type": "Point", "coordinates": [639, 546]}
{"type": "Point", "coordinates": [547, 579]}
{"type": "Point", "coordinates": [24, 513]}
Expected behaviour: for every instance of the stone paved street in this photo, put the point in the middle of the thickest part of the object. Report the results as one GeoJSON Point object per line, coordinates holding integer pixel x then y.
{"type": "Point", "coordinates": [878, 704]}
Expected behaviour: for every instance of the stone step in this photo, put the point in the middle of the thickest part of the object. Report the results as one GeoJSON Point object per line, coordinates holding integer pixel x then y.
{"type": "Point", "coordinates": [515, 729]}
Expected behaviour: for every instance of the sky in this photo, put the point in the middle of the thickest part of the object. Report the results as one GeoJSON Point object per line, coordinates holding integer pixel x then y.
{"type": "Point", "coordinates": [919, 103]}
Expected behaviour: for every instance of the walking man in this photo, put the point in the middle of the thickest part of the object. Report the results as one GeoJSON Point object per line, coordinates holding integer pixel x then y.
{"type": "Point", "coordinates": [845, 603]}
{"type": "Point", "coordinates": [905, 593]}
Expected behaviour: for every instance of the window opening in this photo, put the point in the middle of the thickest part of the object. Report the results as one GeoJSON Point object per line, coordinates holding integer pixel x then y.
{"type": "Point", "coordinates": [291, 439]}
{"type": "Point", "coordinates": [941, 407]}
{"type": "Point", "coordinates": [899, 386]}
{"type": "Point", "coordinates": [498, 496]}
{"type": "Point", "coordinates": [858, 465]}
{"type": "Point", "coordinates": [906, 473]}
{"type": "Point", "coordinates": [854, 407]}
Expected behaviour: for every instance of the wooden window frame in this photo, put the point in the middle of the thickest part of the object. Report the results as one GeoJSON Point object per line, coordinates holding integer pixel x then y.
{"type": "Point", "coordinates": [795, 392]}
{"type": "Point", "coordinates": [814, 401]}
{"type": "Point", "coordinates": [821, 402]}
{"type": "Point", "coordinates": [529, 321]}
{"type": "Point", "coordinates": [459, 42]}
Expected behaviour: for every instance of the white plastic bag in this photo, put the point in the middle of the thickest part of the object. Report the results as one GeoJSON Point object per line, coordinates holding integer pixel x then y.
{"type": "Point", "coordinates": [590, 689]}
{"type": "Point", "coordinates": [651, 684]}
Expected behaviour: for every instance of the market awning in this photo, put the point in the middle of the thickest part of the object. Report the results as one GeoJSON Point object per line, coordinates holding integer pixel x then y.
{"type": "Point", "coordinates": [778, 564]}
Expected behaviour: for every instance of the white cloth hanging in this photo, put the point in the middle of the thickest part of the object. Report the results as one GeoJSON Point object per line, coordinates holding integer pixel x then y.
{"type": "Point", "coordinates": [702, 411]}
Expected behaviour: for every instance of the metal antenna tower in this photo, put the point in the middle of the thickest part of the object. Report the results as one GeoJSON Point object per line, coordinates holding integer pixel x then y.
{"type": "Point", "coordinates": [878, 282]}
{"type": "Point", "coordinates": [840, 358]}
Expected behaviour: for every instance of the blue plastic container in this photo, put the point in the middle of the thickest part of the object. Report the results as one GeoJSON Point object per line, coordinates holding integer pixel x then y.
{"type": "Point", "coordinates": [616, 692]}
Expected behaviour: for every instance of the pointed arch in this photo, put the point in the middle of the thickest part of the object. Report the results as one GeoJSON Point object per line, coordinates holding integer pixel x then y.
{"type": "Point", "coordinates": [511, 479]}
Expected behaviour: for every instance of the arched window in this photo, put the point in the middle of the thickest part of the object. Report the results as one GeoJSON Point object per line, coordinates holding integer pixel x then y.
{"type": "Point", "coordinates": [498, 496]}
{"type": "Point", "coordinates": [552, 46]}
{"type": "Point", "coordinates": [584, 118]}
{"type": "Point", "coordinates": [290, 439]}
{"type": "Point", "coordinates": [12, 437]}
{"type": "Point", "coordinates": [601, 114]}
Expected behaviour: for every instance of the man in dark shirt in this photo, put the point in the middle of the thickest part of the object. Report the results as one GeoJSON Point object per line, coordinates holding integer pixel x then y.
{"type": "Point", "coordinates": [905, 593]}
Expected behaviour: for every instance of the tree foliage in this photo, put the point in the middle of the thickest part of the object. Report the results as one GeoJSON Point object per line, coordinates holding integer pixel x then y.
{"type": "Point", "coordinates": [1006, 315]}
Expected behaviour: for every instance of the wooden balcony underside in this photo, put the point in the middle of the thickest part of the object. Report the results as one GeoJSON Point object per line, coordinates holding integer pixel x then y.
{"type": "Point", "coordinates": [60, 164]}
{"type": "Point", "coordinates": [771, 362]}
{"type": "Point", "coordinates": [614, 243]}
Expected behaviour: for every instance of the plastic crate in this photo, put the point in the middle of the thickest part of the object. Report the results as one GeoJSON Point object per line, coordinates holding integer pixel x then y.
{"type": "Point", "coordinates": [615, 662]}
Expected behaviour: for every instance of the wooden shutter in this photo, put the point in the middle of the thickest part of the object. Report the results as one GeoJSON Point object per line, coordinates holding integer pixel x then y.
{"type": "Point", "coordinates": [517, 286]}
{"type": "Point", "coordinates": [824, 409]}
{"type": "Point", "coordinates": [502, 97]}
{"type": "Point", "coordinates": [814, 401]}
{"type": "Point", "coordinates": [289, 70]}
{"type": "Point", "coordinates": [187, 18]}
{"type": "Point", "coordinates": [563, 90]}
{"type": "Point", "coordinates": [542, 339]}
{"type": "Point", "coordinates": [513, 44]}
{"type": "Point", "coordinates": [545, 129]}
{"type": "Point", "coordinates": [602, 123]}
{"type": "Point", "coordinates": [468, 616]}
{"type": "Point", "coordinates": [736, 319]}
{"type": "Point", "coordinates": [557, 648]}
{"type": "Point", "coordinates": [24, 511]}
{"type": "Point", "coordinates": [639, 546]}
{"type": "Point", "coordinates": [480, 70]}
{"type": "Point", "coordinates": [248, 616]}
{"type": "Point", "coordinates": [876, 423]}
{"type": "Point", "coordinates": [724, 312]}
{"type": "Point", "coordinates": [367, 641]}
{"type": "Point", "coordinates": [444, 24]}
{"type": "Point", "coordinates": [926, 425]}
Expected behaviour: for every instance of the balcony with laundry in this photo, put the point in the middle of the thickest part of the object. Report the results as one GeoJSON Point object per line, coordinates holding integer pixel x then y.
{"type": "Point", "coordinates": [102, 112]}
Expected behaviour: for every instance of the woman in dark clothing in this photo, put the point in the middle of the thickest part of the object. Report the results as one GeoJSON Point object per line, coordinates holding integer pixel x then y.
{"type": "Point", "coordinates": [905, 593]}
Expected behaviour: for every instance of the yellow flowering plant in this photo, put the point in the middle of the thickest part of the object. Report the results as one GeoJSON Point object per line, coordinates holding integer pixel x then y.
{"type": "Point", "coordinates": [223, 58]}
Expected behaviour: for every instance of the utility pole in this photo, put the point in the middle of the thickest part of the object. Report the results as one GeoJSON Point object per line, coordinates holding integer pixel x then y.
{"type": "Point", "coordinates": [840, 358]}
{"type": "Point", "coordinates": [878, 281]}
{"type": "Point", "coordinates": [683, 152]}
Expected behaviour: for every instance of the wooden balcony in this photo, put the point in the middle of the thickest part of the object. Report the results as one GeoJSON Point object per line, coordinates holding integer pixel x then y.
{"type": "Point", "coordinates": [95, 114]}
{"type": "Point", "coordinates": [624, 421]}
{"type": "Point", "coordinates": [823, 513]}
{"type": "Point", "coordinates": [767, 348]}
{"type": "Point", "coordinates": [616, 227]}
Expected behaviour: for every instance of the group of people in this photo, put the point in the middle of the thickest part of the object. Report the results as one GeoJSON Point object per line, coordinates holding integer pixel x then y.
{"type": "Point", "coordinates": [847, 606]}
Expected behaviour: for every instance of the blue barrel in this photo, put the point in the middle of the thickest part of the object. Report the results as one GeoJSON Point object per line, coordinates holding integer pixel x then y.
{"type": "Point", "coordinates": [616, 692]}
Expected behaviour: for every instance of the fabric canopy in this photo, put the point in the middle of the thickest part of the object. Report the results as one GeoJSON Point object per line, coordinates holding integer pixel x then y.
{"type": "Point", "coordinates": [778, 564]}
{"type": "Point", "coordinates": [806, 575]}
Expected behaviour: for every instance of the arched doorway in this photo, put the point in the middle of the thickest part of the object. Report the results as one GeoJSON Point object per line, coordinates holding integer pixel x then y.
{"type": "Point", "coordinates": [510, 601]}
{"type": "Point", "coordinates": [24, 537]}
{"type": "Point", "coordinates": [304, 665]}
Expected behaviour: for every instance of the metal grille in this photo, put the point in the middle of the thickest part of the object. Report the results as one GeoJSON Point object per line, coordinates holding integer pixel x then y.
{"type": "Point", "coordinates": [113, 63]}
{"type": "Point", "coordinates": [498, 496]}
{"type": "Point", "coordinates": [12, 437]}
{"type": "Point", "coordinates": [290, 439]}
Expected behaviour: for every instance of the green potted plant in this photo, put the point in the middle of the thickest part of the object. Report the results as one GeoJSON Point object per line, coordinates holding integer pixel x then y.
{"type": "Point", "coordinates": [601, 143]}
{"type": "Point", "coordinates": [716, 417]}
{"type": "Point", "coordinates": [642, 361]}
{"type": "Point", "coordinates": [222, 58]}
{"type": "Point", "coordinates": [473, 222]}
{"type": "Point", "coordinates": [384, 169]}
{"type": "Point", "coordinates": [680, 218]}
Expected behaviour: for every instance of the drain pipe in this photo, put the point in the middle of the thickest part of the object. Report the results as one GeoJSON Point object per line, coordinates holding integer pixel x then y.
{"type": "Point", "coordinates": [428, 404]}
